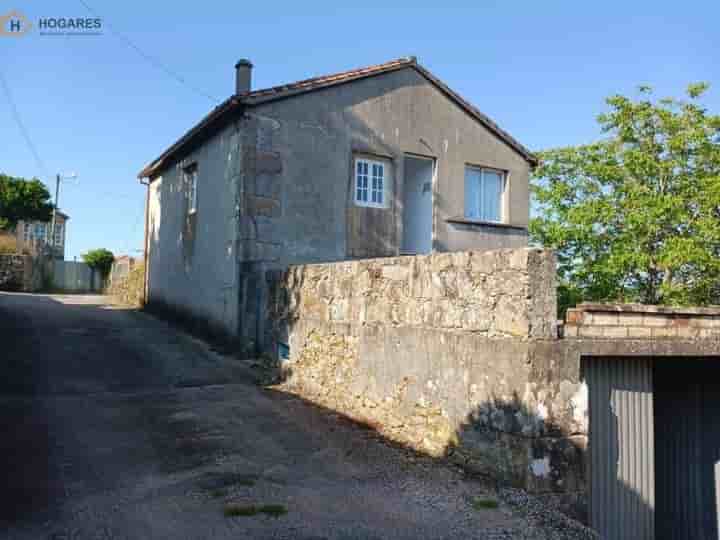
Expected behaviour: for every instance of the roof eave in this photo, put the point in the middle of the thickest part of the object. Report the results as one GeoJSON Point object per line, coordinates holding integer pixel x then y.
{"type": "Point", "coordinates": [237, 102]}
{"type": "Point", "coordinates": [229, 105]}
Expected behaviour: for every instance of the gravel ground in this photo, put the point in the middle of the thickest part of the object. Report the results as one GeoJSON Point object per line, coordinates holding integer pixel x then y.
{"type": "Point", "coordinates": [122, 427]}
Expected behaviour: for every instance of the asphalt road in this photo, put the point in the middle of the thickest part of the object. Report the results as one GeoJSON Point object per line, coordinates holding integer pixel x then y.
{"type": "Point", "coordinates": [115, 425]}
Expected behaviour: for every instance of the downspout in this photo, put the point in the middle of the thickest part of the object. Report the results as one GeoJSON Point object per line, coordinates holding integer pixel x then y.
{"type": "Point", "coordinates": [145, 246]}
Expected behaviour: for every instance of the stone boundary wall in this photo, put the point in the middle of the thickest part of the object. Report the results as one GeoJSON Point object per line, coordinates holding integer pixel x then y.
{"type": "Point", "coordinates": [635, 321]}
{"type": "Point", "coordinates": [22, 272]}
{"type": "Point", "coordinates": [13, 272]}
{"type": "Point", "coordinates": [498, 294]}
{"type": "Point", "coordinates": [458, 355]}
{"type": "Point", "coordinates": [440, 353]}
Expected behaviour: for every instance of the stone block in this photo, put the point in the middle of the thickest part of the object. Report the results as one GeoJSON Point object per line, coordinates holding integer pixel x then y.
{"type": "Point", "coordinates": [688, 332]}
{"type": "Point", "coordinates": [657, 320]}
{"type": "Point", "coordinates": [591, 331]}
{"type": "Point", "coordinates": [630, 319]}
{"type": "Point", "coordinates": [511, 317]}
{"type": "Point", "coordinates": [705, 322]}
{"type": "Point", "coordinates": [395, 272]}
{"type": "Point", "coordinates": [483, 263]}
{"type": "Point", "coordinates": [640, 332]}
{"type": "Point", "coordinates": [574, 316]}
{"type": "Point", "coordinates": [604, 319]}
{"type": "Point", "coordinates": [664, 332]}
{"type": "Point", "coordinates": [570, 331]}
{"type": "Point", "coordinates": [616, 332]}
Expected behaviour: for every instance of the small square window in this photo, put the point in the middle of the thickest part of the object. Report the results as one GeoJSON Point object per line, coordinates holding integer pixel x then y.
{"type": "Point", "coordinates": [484, 190]}
{"type": "Point", "coordinates": [370, 183]}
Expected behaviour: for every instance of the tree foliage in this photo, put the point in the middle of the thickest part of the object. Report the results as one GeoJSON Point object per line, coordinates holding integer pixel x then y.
{"type": "Point", "coordinates": [22, 199]}
{"type": "Point", "coordinates": [99, 259]}
{"type": "Point", "coordinates": [636, 216]}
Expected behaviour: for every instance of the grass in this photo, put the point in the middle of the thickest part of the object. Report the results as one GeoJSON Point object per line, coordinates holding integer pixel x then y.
{"type": "Point", "coordinates": [248, 510]}
{"type": "Point", "coordinates": [217, 493]}
{"type": "Point", "coordinates": [479, 503]}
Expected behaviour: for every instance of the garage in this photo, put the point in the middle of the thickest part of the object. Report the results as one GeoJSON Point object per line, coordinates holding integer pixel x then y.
{"type": "Point", "coordinates": [654, 447]}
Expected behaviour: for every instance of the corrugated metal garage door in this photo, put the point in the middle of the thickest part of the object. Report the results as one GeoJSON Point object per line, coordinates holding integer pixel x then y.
{"type": "Point", "coordinates": [622, 483]}
{"type": "Point", "coordinates": [687, 448]}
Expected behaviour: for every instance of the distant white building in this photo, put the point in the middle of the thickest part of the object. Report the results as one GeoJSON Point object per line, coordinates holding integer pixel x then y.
{"type": "Point", "coordinates": [30, 234]}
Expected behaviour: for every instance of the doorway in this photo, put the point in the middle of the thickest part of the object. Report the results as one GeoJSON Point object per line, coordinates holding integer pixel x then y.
{"type": "Point", "coordinates": [687, 448]}
{"type": "Point", "coordinates": [417, 204]}
{"type": "Point", "coordinates": [654, 447]}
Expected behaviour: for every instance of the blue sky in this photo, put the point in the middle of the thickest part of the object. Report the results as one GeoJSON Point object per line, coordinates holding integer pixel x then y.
{"type": "Point", "coordinates": [93, 105]}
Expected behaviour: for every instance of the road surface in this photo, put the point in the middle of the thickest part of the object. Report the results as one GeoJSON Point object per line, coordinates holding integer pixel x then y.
{"type": "Point", "coordinates": [117, 426]}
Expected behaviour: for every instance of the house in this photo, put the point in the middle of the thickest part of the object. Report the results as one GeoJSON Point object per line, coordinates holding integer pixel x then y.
{"type": "Point", "coordinates": [379, 161]}
{"type": "Point", "coordinates": [31, 234]}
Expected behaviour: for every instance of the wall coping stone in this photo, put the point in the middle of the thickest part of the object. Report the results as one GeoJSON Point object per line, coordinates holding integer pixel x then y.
{"type": "Point", "coordinates": [637, 321]}
{"type": "Point", "coordinates": [643, 308]}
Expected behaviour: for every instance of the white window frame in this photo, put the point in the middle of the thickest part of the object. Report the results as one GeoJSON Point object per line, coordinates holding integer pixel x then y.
{"type": "Point", "coordinates": [58, 240]}
{"type": "Point", "coordinates": [40, 231]}
{"type": "Point", "coordinates": [368, 187]}
{"type": "Point", "coordinates": [481, 191]}
{"type": "Point", "coordinates": [191, 179]}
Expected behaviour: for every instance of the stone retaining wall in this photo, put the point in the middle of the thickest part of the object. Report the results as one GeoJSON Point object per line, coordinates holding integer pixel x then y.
{"type": "Point", "coordinates": [458, 355]}
{"type": "Point", "coordinates": [440, 353]}
{"type": "Point", "coordinates": [13, 269]}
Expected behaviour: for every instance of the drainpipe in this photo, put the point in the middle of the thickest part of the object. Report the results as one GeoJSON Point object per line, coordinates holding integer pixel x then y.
{"type": "Point", "coordinates": [145, 246]}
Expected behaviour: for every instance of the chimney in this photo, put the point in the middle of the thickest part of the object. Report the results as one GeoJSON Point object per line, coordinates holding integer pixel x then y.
{"type": "Point", "coordinates": [243, 76]}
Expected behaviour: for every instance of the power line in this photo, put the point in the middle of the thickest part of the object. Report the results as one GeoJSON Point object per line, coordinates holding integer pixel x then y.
{"type": "Point", "coordinates": [151, 59]}
{"type": "Point", "coordinates": [21, 126]}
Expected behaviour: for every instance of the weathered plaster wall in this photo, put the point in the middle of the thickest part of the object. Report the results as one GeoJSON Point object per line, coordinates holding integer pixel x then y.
{"type": "Point", "coordinates": [300, 170]}
{"type": "Point", "coordinates": [298, 153]}
{"type": "Point", "coordinates": [439, 352]}
{"type": "Point", "coordinates": [192, 271]}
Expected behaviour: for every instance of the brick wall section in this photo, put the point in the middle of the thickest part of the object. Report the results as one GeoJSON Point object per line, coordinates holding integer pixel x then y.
{"type": "Point", "coordinates": [635, 321]}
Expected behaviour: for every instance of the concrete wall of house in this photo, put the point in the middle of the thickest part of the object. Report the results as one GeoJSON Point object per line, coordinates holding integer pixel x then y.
{"type": "Point", "coordinates": [298, 191]}
{"type": "Point", "coordinates": [299, 206]}
{"type": "Point", "coordinates": [192, 257]}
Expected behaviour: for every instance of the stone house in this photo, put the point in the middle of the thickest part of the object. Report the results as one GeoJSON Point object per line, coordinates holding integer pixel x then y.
{"type": "Point", "coordinates": [379, 161]}
{"type": "Point", "coordinates": [30, 234]}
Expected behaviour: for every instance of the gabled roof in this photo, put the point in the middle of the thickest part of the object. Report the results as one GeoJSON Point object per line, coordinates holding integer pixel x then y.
{"type": "Point", "coordinates": [256, 97]}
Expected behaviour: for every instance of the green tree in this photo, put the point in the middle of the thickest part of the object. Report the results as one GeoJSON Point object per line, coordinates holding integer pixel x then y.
{"type": "Point", "coordinates": [636, 216]}
{"type": "Point", "coordinates": [99, 259]}
{"type": "Point", "coordinates": [22, 199]}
